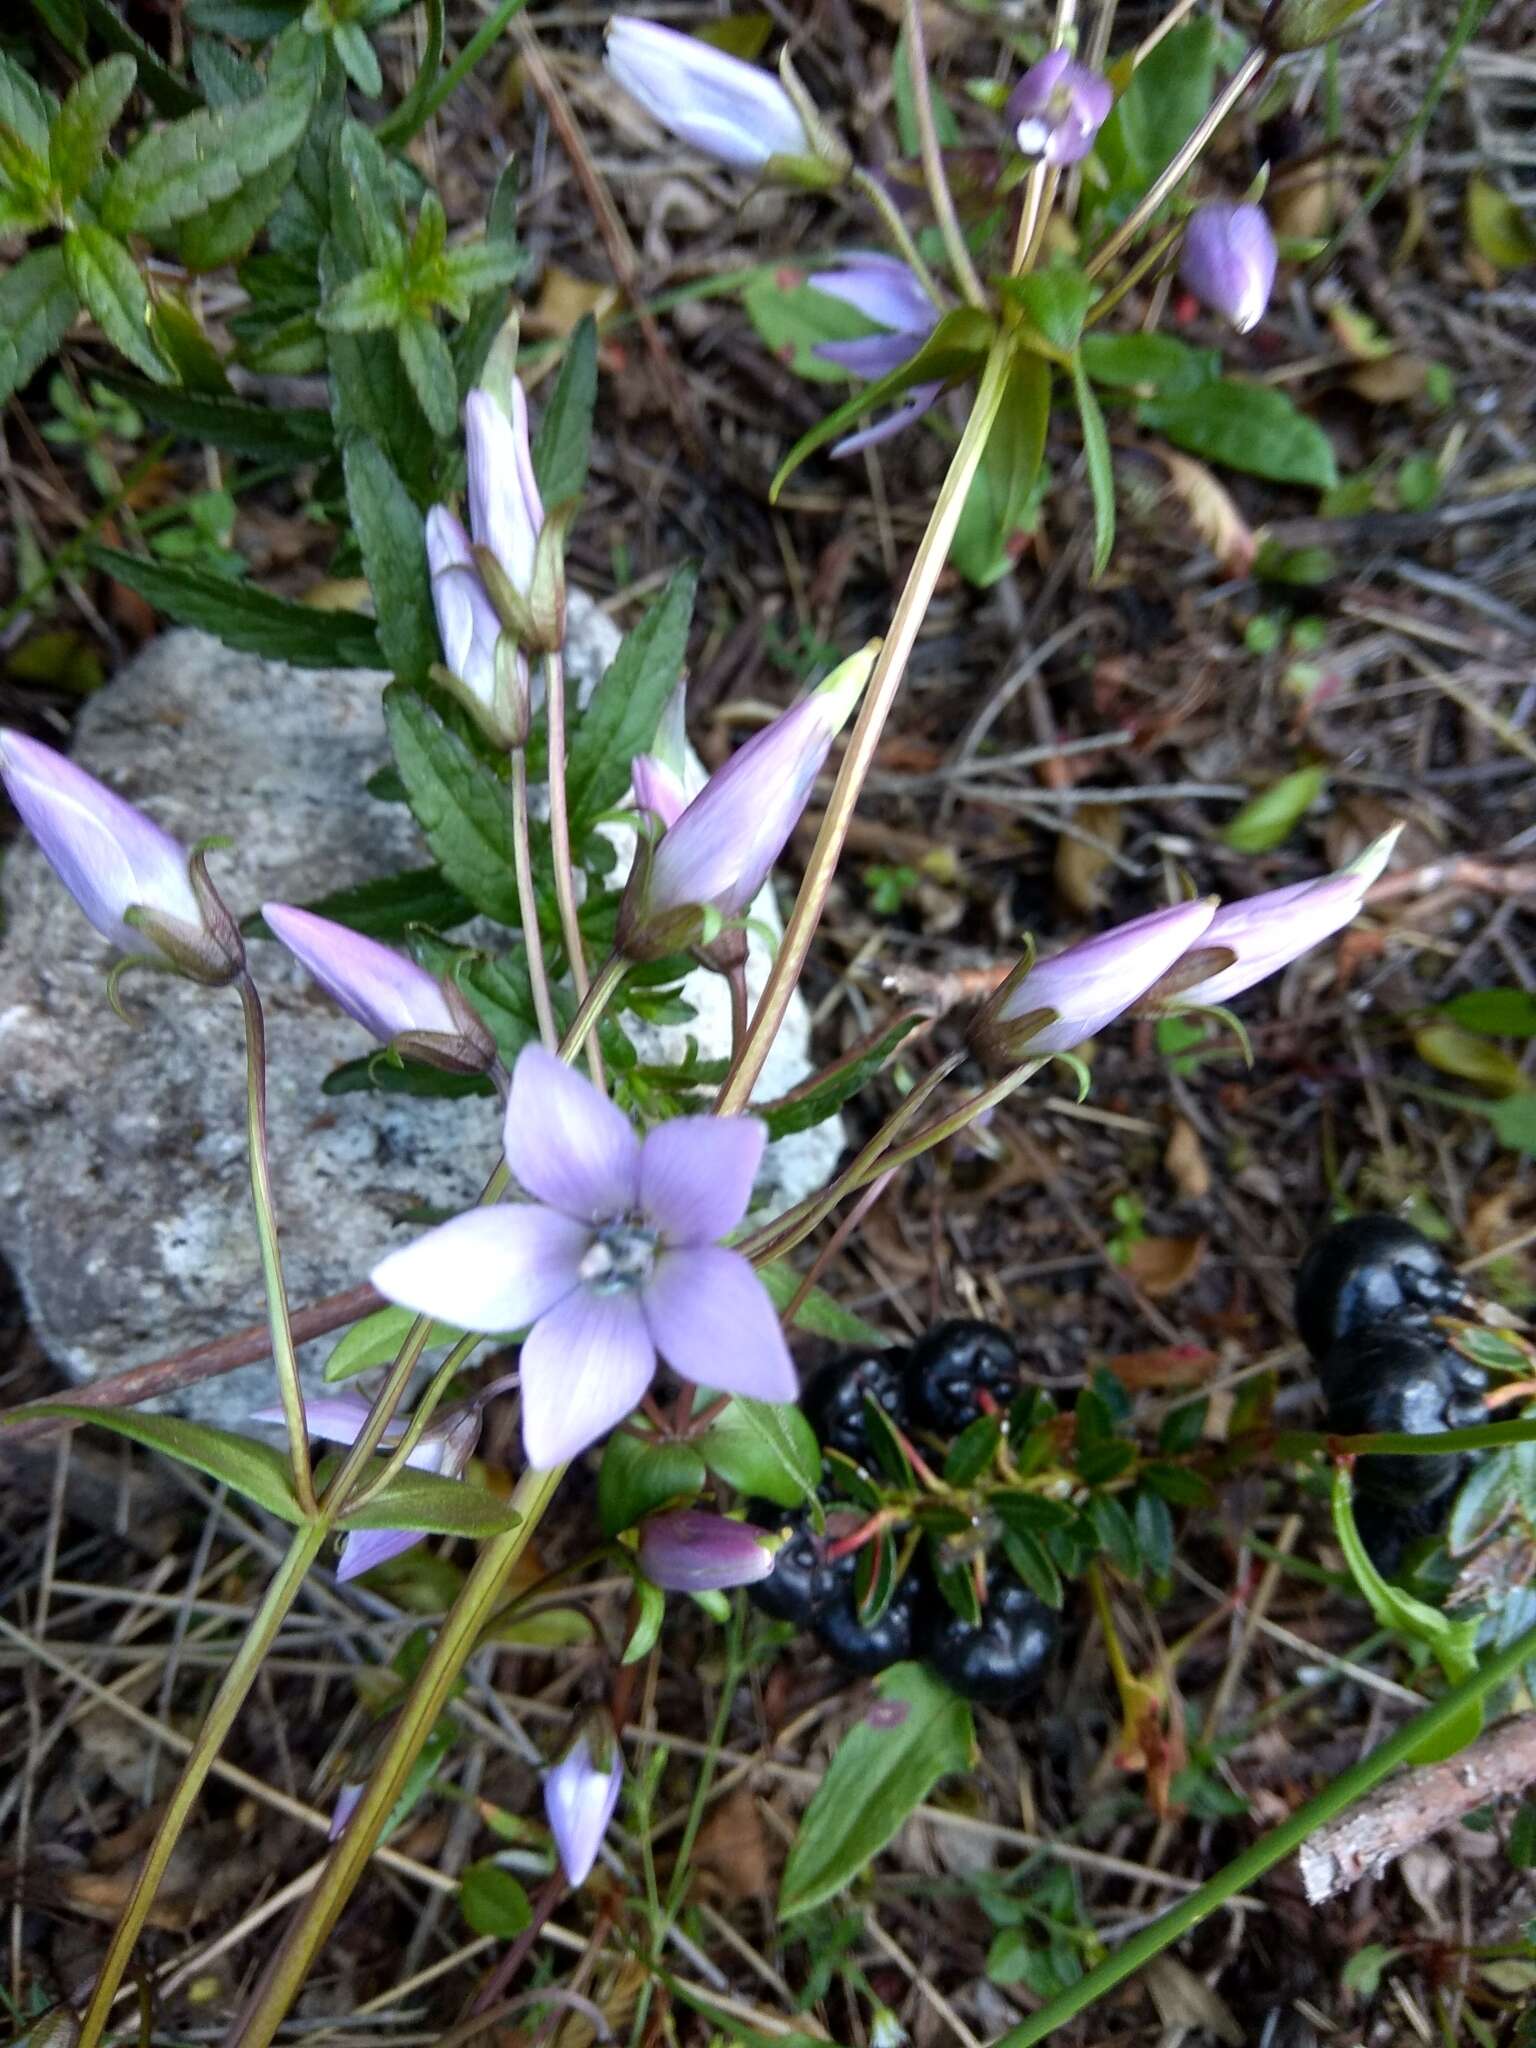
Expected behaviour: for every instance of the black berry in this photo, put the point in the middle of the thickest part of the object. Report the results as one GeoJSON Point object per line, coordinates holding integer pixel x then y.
{"type": "Point", "coordinates": [833, 1399]}
{"type": "Point", "coordinates": [949, 1370]}
{"type": "Point", "coordinates": [1002, 1657]}
{"type": "Point", "coordinates": [1410, 1381]}
{"type": "Point", "coordinates": [890, 1639]}
{"type": "Point", "coordinates": [802, 1582]}
{"type": "Point", "coordinates": [1372, 1269]}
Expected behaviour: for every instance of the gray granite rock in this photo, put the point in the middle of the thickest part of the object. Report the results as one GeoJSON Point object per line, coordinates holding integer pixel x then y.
{"type": "Point", "coordinates": [124, 1206]}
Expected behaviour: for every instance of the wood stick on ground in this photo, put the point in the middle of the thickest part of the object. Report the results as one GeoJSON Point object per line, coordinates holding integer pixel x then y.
{"type": "Point", "coordinates": [1408, 1810]}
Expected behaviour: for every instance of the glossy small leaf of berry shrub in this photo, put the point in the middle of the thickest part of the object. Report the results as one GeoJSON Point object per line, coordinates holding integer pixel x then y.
{"type": "Point", "coordinates": [955, 1582]}
{"type": "Point", "coordinates": [886, 1446]}
{"type": "Point", "coordinates": [1115, 1534]}
{"type": "Point", "coordinates": [1031, 1562]}
{"type": "Point", "coordinates": [875, 1577]}
{"type": "Point", "coordinates": [848, 1481]}
{"type": "Point", "coordinates": [915, 1732]}
{"type": "Point", "coordinates": [973, 1450]}
{"type": "Point", "coordinates": [641, 1473]}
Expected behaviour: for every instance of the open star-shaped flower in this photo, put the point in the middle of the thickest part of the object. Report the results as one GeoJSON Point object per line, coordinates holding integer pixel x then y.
{"type": "Point", "coordinates": [614, 1259]}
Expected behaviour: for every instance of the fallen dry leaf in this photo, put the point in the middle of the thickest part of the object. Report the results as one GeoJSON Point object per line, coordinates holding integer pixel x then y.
{"type": "Point", "coordinates": [1185, 1161]}
{"type": "Point", "coordinates": [1079, 865]}
{"type": "Point", "coordinates": [1160, 1266]}
{"type": "Point", "coordinates": [733, 1848]}
{"type": "Point", "coordinates": [1212, 511]}
{"type": "Point", "coordinates": [1174, 1365]}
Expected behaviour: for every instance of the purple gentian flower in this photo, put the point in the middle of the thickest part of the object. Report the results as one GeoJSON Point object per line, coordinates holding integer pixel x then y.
{"type": "Point", "coordinates": [613, 1260]}
{"type": "Point", "coordinates": [1057, 108]}
{"type": "Point", "coordinates": [1264, 933]}
{"type": "Point", "coordinates": [467, 621]}
{"type": "Point", "coordinates": [347, 1800]}
{"type": "Point", "coordinates": [656, 790]}
{"type": "Point", "coordinates": [385, 992]}
{"type": "Point", "coordinates": [1228, 261]}
{"type": "Point", "coordinates": [580, 1794]}
{"type": "Point", "coordinates": [716, 853]}
{"type": "Point", "coordinates": [447, 1444]}
{"type": "Point", "coordinates": [506, 513]}
{"type": "Point", "coordinates": [1052, 1005]}
{"type": "Point", "coordinates": [884, 290]}
{"type": "Point", "coordinates": [689, 1551]}
{"type": "Point", "coordinates": [114, 860]}
{"type": "Point", "coordinates": [727, 109]}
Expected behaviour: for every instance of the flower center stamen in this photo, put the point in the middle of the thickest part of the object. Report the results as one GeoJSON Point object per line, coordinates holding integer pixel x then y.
{"type": "Point", "coordinates": [621, 1256]}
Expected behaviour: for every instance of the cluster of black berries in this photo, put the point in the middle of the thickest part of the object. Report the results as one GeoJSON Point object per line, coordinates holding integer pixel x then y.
{"type": "Point", "coordinates": [956, 1373]}
{"type": "Point", "coordinates": [1367, 1294]}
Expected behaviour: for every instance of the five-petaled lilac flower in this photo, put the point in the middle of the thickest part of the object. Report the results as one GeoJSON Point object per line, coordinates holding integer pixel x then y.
{"type": "Point", "coordinates": [580, 1794]}
{"type": "Point", "coordinates": [1228, 261]}
{"type": "Point", "coordinates": [613, 1260]}
{"type": "Point", "coordinates": [115, 861]}
{"type": "Point", "coordinates": [385, 992]}
{"type": "Point", "coordinates": [716, 852]}
{"type": "Point", "coordinates": [446, 1446]}
{"type": "Point", "coordinates": [884, 290]}
{"type": "Point", "coordinates": [1052, 1005]}
{"type": "Point", "coordinates": [1255, 937]}
{"type": "Point", "coordinates": [689, 1551]}
{"type": "Point", "coordinates": [1057, 108]}
{"type": "Point", "coordinates": [727, 109]}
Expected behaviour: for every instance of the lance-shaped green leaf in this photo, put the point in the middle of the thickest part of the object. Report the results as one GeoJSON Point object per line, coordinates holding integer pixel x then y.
{"type": "Point", "coordinates": [428, 362]}
{"type": "Point", "coordinates": [1054, 304]}
{"type": "Point", "coordinates": [1268, 819]}
{"type": "Point", "coordinates": [25, 108]}
{"type": "Point", "coordinates": [1101, 470]}
{"type": "Point", "coordinates": [818, 1313]}
{"type": "Point", "coordinates": [82, 128]}
{"type": "Point", "coordinates": [956, 348]}
{"type": "Point", "coordinates": [436, 1505]}
{"type": "Point", "coordinates": [254, 1470]}
{"type": "Point", "coordinates": [823, 1094]}
{"type": "Point", "coordinates": [620, 720]}
{"type": "Point", "coordinates": [37, 303]}
{"type": "Point", "coordinates": [109, 286]}
{"type": "Point", "coordinates": [389, 533]}
{"type": "Point", "coordinates": [1454, 1643]}
{"type": "Point", "coordinates": [560, 447]}
{"type": "Point", "coordinates": [998, 501]}
{"type": "Point", "coordinates": [916, 1733]}
{"type": "Point", "coordinates": [458, 802]}
{"type": "Point", "coordinates": [275, 433]}
{"type": "Point", "coordinates": [1251, 427]}
{"type": "Point", "coordinates": [376, 1340]}
{"type": "Point", "coordinates": [244, 616]}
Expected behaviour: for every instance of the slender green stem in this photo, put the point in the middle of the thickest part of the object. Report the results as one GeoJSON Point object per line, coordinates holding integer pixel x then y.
{"type": "Point", "coordinates": [560, 840]}
{"type": "Point", "coordinates": [1147, 260]}
{"type": "Point", "coordinates": [1471, 18]}
{"type": "Point", "coordinates": [879, 696]}
{"type": "Point", "coordinates": [450, 81]}
{"type": "Point", "coordinates": [398, 128]}
{"type": "Point", "coordinates": [593, 1004]}
{"type": "Point", "coordinates": [236, 1683]}
{"type": "Point", "coordinates": [421, 1415]}
{"type": "Point", "coordinates": [1164, 183]}
{"type": "Point", "coordinates": [284, 1976]}
{"type": "Point", "coordinates": [1245, 1870]}
{"type": "Point", "coordinates": [528, 903]}
{"type": "Point", "coordinates": [934, 175]}
{"type": "Point", "coordinates": [284, 1355]}
{"type": "Point", "coordinates": [950, 1126]}
{"type": "Point", "coordinates": [906, 245]}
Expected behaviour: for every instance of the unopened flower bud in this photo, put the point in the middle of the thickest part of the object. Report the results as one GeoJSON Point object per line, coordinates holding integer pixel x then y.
{"type": "Point", "coordinates": [730, 110]}
{"type": "Point", "coordinates": [717, 854]}
{"type": "Point", "coordinates": [1228, 261]}
{"type": "Point", "coordinates": [1291, 25]}
{"type": "Point", "coordinates": [689, 1551]}
{"type": "Point", "coordinates": [1050, 1006]}
{"type": "Point", "coordinates": [520, 554]}
{"type": "Point", "coordinates": [580, 1794]}
{"type": "Point", "coordinates": [136, 884]}
{"type": "Point", "coordinates": [483, 665]}
{"type": "Point", "coordinates": [1057, 108]}
{"type": "Point", "coordinates": [388, 994]}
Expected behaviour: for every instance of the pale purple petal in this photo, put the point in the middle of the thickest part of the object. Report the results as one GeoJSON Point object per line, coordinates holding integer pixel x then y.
{"type": "Point", "coordinates": [722, 106]}
{"type": "Point", "coordinates": [567, 1143]}
{"type": "Point", "coordinates": [689, 1551]}
{"type": "Point", "coordinates": [714, 1324]}
{"type": "Point", "coordinates": [108, 855]}
{"type": "Point", "coordinates": [494, 1269]}
{"type": "Point", "coordinates": [333, 1418]}
{"type": "Point", "coordinates": [585, 1367]}
{"type": "Point", "coordinates": [1228, 261]}
{"type": "Point", "coordinates": [696, 1175]}
{"type": "Point", "coordinates": [920, 399]}
{"type": "Point", "coordinates": [1268, 932]}
{"type": "Point", "coordinates": [377, 987]}
{"type": "Point", "coordinates": [347, 1801]}
{"type": "Point", "coordinates": [882, 288]}
{"type": "Point", "coordinates": [501, 515]}
{"type": "Point", "coordinates": [580, 1795]}
{"type": "Point", "coordinates": [870, 355]}
{"type": "Point", "coordinates": [1057, 108]}
{"type": "Point", "coordinates": [366, 1548]}
{"type": "Point", "coordinates": [657, 789]}
{"type": "Point", "coordinates": [1092, 983]}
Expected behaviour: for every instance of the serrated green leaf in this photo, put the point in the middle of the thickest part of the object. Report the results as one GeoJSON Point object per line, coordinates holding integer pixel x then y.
{"type": "Point", "coordinates": [885, 1766]}
{"type": "Point", "coordinates": [428, 362]}
{"type": "Point", "coordinates": [492, 1901]}
{"type": "Point", "coordinates": [358, 58]}
{"type": "Point", "coordinates": [169, 94]}
{"type": "Point", "coordinates": [25, 108]}
{"type": "Point", "coordinates": [255, 1471]}
{"type": "Point", "coordinates": [503, 994]}
{"type": "Point", "coordinates": [435, 1505]}
{"type": "Point", "coordinates": [620, 720]}
{"type": "Point", "coordinates": [244, 616]}
{"type": "Point", "coordinates": [1101, 469]}
{"type": "Point", "coordinates": [1251, 427]}
{"type": "Point", "coordinates": [107, 281]}
{"type": "Point", "coordinates": [461, 807]}
{"type": "Point", "coordinates": [190, 165]}
{"type": "Point", "coordinates": [391, 539]}
{"type": "Point", "coordinates": [818, 1313]}
{"type": "Point", "coordinates": [370, 392]}
{"type": "Point", "coordinates": [1268, 819]}
{"type": "Point", "coordinates": [373, 302]}
{"type": "Point", "coordinates": [824, 1094]}
{"type": "Point", "coordinates": [560, 448]}
{"type": "Point", "coordinates": [240, 424]}
{"type": "Point", "coordinates": [781, 1462]}
{"type": "Point", "coordinates": [475, 268]}
{"type": "Point", "coordinates": [37, 304]}
{"type": "Point", "coordinates": [83, 126]}
{"type": "Point", "coordinates": [956, 348]}
{"type": "Point", "coordinates": [640, 1474]}
{"type": "Point", "coordinates": [224, 231]}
